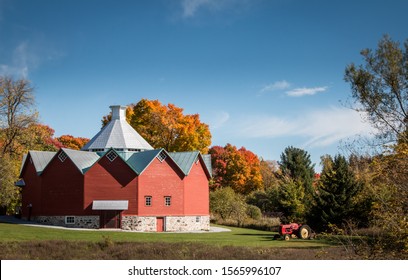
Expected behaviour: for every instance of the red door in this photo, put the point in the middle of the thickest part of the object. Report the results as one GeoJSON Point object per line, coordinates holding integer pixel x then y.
{"type": "Point", "coordinates": [160, 224]}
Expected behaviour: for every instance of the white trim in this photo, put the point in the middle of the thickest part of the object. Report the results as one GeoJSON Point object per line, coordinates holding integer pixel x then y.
{"type": "Point", "coordinates": [111, 155]}
{"type": "Point", "coordinates": [62, 156]}
{"type": "Point", "coordinates": [161, 156]}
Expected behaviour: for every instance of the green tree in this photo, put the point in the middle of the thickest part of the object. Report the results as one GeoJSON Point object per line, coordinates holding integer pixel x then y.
{"type": "Point", "coordinates": [291, 199]}
{"type": "Point", "coordinates": [9, 194]}
{"type": "Point", "coordinates": [381, 88]}
{"type": "Point", "coordinates": [296, 164]}
{"type": "Point", "coordinates": [228, 204]}
{"type": "Point", "coordinates": [336, 192]}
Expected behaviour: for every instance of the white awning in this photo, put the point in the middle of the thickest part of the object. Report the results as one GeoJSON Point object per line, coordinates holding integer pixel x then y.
{"type": "Point", "coordinates": [110, 205]}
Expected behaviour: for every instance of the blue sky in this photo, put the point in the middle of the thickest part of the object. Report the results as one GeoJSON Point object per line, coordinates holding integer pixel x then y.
{"type": "Point", "coordinates": [263, 74]}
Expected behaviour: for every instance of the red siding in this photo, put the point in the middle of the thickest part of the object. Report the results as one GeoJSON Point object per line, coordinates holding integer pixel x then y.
{"type": "Point", "coordinates": [31, 193]}
{"type": "Point", "coordinates": [62, 189]}
{"type": "Point", "coordinates": [161, 179]}
{"type": "Point", "coordinates": [196, 191]}
{"type": "Point", "coordinates": [108, 180]}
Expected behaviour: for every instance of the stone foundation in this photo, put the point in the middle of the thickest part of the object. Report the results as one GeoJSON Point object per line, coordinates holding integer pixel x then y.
{"type": "Point", "coordinates": [133, 223]}
{"type": "Point", "coordinates": [138, 223]}
{"type": "Point", "coordinates": [172, 223]}
{"type": "Point", "coordinates": [79, 221]}
{"type": "Point", "coordinates": [187, 223]}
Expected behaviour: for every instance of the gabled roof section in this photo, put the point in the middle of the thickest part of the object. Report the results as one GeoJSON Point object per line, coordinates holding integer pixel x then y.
{"type": "Point", "coordinates": [82, 160]}
{"type": "Point", "coordinates": [207, 162]}
{"type": "Point", "coordinates": [185, 161]}
{"type": "Point", "coordinates": [140, 161]}
{"type": "Point", "coordinates": [117, 134]}
{"type": "Point", "coordinates": [40, 160]}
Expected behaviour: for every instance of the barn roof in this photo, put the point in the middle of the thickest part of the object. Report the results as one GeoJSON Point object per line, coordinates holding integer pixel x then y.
{"type": "Point", "coordinates": [117, 134]}
{"type": "Point", "coordinates": [185, 160]}
{"type": "Point", "coordinates": [82, 160]}
{"type": "Point", "coordinates": [40, 160]}
{"type": "Point", "coordinates": [139, 161]}
{"type": "Point", "coordinates": [207, 162]}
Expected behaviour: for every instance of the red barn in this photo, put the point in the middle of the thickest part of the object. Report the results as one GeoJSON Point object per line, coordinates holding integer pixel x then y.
{"type": "Point", "coordinates": [117, 181]}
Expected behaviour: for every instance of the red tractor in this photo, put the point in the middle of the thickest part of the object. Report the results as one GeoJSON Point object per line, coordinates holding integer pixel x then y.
{"type": "Point", "coordinates": [295, 230]}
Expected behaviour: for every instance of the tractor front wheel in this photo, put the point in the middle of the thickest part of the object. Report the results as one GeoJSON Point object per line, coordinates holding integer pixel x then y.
{"type": "Point", "coordinates": [304, 232]}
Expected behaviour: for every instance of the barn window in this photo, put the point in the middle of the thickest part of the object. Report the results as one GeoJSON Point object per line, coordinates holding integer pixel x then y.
{"type": "Point", "coordinates": [148, 200]}
{"type": "Point", "coordinates": [167, 200]}
{"type": "Point", "coordinates": [111, 155]}
{"type": "Point", "coordinates": [162, 156]}
{"type": "Point", "coordinates": [62, 156]}
{"type": "Point", "coordinates": [198, 219]}
{"type": "Point", "coordinates": [69, 220]}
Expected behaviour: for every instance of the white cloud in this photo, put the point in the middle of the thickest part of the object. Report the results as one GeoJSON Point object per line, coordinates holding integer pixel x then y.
{"type": "Point", "coordinates": [190, 8]}
{"type": "Point", "coordinates": [297, 92]}
{"type": "Point", "coordinates": [21, 61]}
{"type": "Point", "coordinates": [218, 119]}
{"type": "Point", "coordinates": [26, 57]}
{"type": "Point", "coordinates": [318, 128]}
{"type": "Point", "coordinates": [279, 85]}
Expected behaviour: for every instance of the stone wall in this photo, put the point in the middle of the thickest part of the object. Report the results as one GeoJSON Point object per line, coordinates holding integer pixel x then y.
{"type": "Point", "coordinates": [138, 223]}
{"type": "Point", "coordinates": [133, 223]}
{"type": "Point", "coordinates": [172, 223]}
{"type": "Point", "coordinates": [79, 221]}
{"type": "Point", "coordinates": [187, 223]}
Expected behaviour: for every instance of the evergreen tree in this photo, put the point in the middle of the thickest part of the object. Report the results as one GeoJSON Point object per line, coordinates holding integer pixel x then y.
{"type": "Point", "coordinates": [296, 165]}
{"type": "Point", "coordinates": [335, 198]}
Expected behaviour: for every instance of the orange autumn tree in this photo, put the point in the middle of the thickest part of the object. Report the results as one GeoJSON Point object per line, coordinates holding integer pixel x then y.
{"type": "Point", "coordinates": [239, 169]}
{"type": "Point", "coordinates": [71, 142]}
{"type": "Point", "coordinates": [166, 126]}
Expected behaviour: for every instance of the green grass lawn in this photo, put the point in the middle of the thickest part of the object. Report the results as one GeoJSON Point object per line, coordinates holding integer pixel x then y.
{"type": "Point", "coordinates": [235, 237]}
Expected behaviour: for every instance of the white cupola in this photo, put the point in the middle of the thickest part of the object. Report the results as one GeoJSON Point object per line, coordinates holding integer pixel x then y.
{"type": "Point", "coordinates": [117, 134]}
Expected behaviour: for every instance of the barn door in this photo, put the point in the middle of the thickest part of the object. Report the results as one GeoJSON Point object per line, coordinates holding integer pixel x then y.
{"type": "Point", "coordinates": [160, 224]}
{"type": "Point", "coordinates": [110, 219]}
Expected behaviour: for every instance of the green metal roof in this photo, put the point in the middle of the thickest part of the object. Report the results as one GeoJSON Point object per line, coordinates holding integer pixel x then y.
{"type": "Point", "coordinates": [140, 160]}
{"type": "Point", "coordinates": [185, 160]}
{"type": "Point", "coordinates": [207, 162]}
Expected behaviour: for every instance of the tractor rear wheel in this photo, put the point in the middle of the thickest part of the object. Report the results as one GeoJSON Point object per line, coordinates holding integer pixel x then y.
{"type": "Point", "coordinates": [304, 232]}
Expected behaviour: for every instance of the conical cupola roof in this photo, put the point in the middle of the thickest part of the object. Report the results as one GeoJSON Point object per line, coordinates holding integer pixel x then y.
{"type": "Point", "coordinates": [117, 134]}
